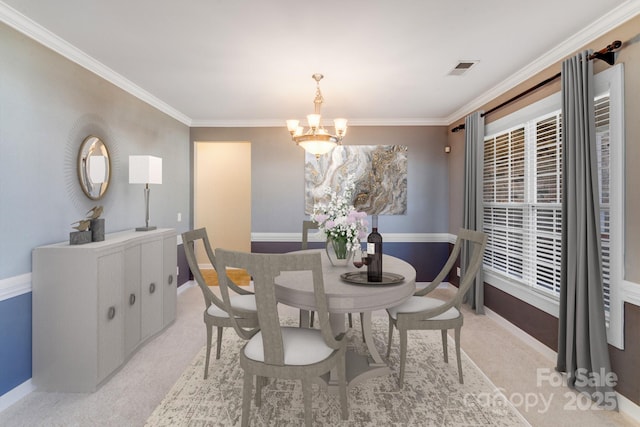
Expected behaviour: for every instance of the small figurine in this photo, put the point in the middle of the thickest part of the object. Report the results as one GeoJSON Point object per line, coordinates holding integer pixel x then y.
{"type": "Point", "coordinates": [94, 212]}
{"type": "Point", "coordinates": [83, 225]}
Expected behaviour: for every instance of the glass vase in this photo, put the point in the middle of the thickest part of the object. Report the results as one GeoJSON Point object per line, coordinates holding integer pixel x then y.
{"type": "Point", "coordinates": [337, 251]}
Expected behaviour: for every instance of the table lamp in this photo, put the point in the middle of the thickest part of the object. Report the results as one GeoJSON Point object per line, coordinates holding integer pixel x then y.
{"type": "Point", "coordinates": [145, 170]}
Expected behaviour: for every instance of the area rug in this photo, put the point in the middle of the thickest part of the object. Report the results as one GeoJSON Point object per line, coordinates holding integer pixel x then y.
{"type": "Point", "coordinates": [431, 396]}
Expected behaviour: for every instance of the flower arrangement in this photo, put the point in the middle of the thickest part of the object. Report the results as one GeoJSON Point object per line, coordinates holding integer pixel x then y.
{"type": "Point", "coordinates": [339, 220]}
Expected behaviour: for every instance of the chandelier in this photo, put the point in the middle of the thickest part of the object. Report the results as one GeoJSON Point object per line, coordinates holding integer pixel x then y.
{"type": "Point", "coordinates": [316, 140]}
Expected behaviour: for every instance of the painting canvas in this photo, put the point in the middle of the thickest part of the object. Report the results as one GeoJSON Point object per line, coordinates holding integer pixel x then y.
{"type": "Point", "coordinates": [379, 171]}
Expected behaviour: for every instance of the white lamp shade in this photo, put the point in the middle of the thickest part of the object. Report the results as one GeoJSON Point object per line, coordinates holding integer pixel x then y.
{"type": "Point", "coordinates": [145, 170]}
{"type": "Point", "coordinates": [97, 169]}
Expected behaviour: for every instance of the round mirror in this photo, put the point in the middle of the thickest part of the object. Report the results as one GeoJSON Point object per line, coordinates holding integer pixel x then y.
{"type": "Point", "coordinates": [94, 167]}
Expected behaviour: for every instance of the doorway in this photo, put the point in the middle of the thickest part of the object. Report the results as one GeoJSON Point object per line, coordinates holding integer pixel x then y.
{"type": "Point", "coordinates": [222, 195]}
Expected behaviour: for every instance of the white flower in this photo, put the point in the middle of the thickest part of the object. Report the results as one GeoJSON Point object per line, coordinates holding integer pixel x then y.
{"type": "Point", "coordinates": [339, 219]}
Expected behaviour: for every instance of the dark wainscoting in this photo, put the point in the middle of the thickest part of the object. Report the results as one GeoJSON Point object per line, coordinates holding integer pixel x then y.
{"type": "Point", "coordinates": [426, 258]}
{"type": "Point", "coordinates": [184, 274]}
{"type": "Point", "coordinates": [544, 327]}
{"type": "Point", "coordinates": [626, 363]}
{"type": "Point", "coordinates": [535, 322]}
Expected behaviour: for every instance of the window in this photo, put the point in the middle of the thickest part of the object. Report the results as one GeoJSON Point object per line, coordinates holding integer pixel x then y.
{"type": "Point", "coordinates": [522, 199]}
{"type": "Point", "coordinates": [522, 202]}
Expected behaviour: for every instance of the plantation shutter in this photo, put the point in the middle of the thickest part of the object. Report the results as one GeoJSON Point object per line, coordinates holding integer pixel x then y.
{"type": "Point", "coordinates": [503, 201]}
{"type": "Point", "coordinates": [603, 142]}
{"type": "Point", "coordinates": [547, 204]}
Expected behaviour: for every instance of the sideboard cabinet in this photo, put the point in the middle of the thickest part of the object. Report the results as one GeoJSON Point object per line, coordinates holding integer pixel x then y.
{"type": "Point", "coordinates": [95, 304]}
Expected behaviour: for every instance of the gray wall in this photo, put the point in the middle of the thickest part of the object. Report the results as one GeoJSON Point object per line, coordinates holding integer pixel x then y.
{"type": "Point", "coordinates": [278, 175]}
{"type": "Point", "coordinates": [48, 105]}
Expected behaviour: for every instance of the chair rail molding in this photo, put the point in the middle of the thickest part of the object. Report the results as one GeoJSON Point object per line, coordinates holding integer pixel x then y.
{"type": "Point", "coordinates": [14, 286]}
{"type": "Point", "coordinates": [388, 237]}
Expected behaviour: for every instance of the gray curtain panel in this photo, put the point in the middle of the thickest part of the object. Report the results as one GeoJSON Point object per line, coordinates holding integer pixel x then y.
{"type": "Point", "coordinates": [582, 342]}
{"type": "Point", "coordinates": [472, 204]}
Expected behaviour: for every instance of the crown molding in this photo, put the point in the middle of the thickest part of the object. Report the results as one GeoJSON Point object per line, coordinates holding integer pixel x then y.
{"type": "Point", "coordinates": [35, 31]}
{"type": "Point", "coordinates": [603, 25]}
{"type": "Point", "coordinates": [269, 123]}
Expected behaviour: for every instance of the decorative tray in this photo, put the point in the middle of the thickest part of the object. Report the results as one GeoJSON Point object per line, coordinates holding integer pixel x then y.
{"type": "Point", "coordinates": [360, 278]}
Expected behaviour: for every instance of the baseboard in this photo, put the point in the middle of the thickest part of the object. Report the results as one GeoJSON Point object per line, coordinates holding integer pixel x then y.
{"type": "Point", "coordinates": [15, 394]}
{"type": "Point", "coordinates": [628, 408]}
{"type": "Point", "coordinates": [186, 285]}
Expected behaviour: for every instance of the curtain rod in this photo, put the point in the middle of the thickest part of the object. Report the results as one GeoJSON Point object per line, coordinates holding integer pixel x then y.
{"type": "Point", "coordinates": [606, 54]}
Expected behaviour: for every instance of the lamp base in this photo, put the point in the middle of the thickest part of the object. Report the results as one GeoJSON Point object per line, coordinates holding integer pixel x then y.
{"type": "Point", "coordinates": [149, 228]}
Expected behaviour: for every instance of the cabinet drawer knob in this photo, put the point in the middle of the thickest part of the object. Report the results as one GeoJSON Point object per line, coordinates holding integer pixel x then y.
{"type": "Point", "coordinates": [152, 288]}
{"type": "Point", "coordinates": [132, 299]}
{"type": "Point", "coordinates": [170, 279]}
{"type": "Point", "coordinates": [111, 313]}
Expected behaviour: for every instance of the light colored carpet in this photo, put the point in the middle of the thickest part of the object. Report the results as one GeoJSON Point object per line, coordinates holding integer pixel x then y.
{"type": "Point", "coordinates": [432, 395]}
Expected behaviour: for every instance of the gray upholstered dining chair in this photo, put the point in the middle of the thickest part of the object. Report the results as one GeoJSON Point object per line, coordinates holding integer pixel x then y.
{"type": "Point", "coordinates": [215, 313]}
{"type": "Point", "coordinates": [277, 351]}
{"type": "Point", "coordinates": [306, 226]}
{"type": "Point", "coordinates": [426, 313]}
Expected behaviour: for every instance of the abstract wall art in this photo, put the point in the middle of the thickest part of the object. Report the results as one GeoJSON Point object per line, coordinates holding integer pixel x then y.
{"type": "Point", "coordinates": [379, 171]}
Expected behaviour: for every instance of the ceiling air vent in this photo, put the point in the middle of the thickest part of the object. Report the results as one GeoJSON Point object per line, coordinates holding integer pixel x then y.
{"type": "Point", "coordinates": [462, 67]}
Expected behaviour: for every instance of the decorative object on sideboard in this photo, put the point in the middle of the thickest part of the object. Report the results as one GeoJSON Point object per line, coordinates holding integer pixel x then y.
{"type": "Point", "coordinates": [97, 223]}
{"type": "Point", "coordinates": [94, 167]}
{"type": "Point", "coordinates": [316, 140]}
{"type": "Point", "coordinates": [89, 229]}
{"type": "Point", "coordinates": [145, 170]}
{"type": "Point", "coordinates": [83, 235]}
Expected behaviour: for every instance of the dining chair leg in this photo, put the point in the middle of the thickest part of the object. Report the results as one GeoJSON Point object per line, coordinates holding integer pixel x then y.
{"type": "Point", "coordinates": [246, 398]}
{"type": "Point", "coordinates": [444, 345]}
{"type": "Point", "coordinates": [390, 336]}
{"type": "Point", "coordinates": [350, 320]}
{"type": "Point", "coordinates": [313, 313]}
{"type": "Point", "coordinates": [306, 397]}
{"type": "Point", "coordinates": [219, 342]}
{"type": "Point", "coordinates": [342, 385]}
{"type": "Point", "coordinates": [260, 382]}
{"type": "Point", "coordinates": [208, 356]}
{"type": "Point", "coordinates": [457, 335]}
{"type": "Point", "coordinates": [403, 355]}
{"type": "Point", "coordinates": [304, 318]}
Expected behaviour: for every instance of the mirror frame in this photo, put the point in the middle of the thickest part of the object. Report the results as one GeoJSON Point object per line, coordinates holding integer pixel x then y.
{"type": "Point", "coordinates": [93, 146]}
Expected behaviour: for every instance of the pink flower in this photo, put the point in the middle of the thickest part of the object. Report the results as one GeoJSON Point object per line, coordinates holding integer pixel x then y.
{"type": "Point", "coordinates": [320, 218]}
{"type": "Point", "coordinates": [329, 224]}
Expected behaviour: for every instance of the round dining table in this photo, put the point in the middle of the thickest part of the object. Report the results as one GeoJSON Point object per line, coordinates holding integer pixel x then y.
{"type": "Point", "coordinates": [296, 289]}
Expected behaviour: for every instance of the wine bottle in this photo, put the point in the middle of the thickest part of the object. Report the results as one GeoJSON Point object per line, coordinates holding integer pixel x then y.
{"type": "Point", "coordinates": [374, 252]}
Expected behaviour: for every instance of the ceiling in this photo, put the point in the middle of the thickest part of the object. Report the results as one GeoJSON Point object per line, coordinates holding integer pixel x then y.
{"type": "Point", "coordinates": [249, 62]}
